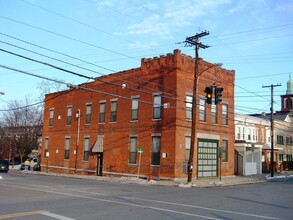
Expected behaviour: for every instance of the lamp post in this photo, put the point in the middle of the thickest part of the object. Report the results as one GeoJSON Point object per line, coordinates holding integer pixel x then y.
{"type": "Point", "coordinates": [77, 139]}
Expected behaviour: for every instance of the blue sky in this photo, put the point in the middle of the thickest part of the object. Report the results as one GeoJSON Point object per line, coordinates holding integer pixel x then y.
{"type": "Point", "coordinates": [252, 37]}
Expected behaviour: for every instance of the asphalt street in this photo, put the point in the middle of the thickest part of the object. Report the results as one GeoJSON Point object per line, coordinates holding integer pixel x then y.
{"type": "Point", "coordinates": [25, 196]}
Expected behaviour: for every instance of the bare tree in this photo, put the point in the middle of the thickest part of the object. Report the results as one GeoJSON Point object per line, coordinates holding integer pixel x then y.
{"type": "Point", "coordinates": [47, 87]}
{"type": "Point", "coordinates": [23, 125]}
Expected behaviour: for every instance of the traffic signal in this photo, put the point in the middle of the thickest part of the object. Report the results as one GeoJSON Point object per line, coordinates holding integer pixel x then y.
{"type": "Point", "coordinates": [209, 94]}
{"type": "Point", "coordinates": [218, 95]}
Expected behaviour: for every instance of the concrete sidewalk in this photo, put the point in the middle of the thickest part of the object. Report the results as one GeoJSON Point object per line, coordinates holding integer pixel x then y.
{"type": "Point", "coordinates": [198, 183]}
{"type": "Point", "coordinates": [216, 182]}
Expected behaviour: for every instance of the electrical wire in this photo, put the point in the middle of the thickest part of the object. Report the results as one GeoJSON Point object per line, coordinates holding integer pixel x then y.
{"type": "Point", "coordinates": [111, 76]}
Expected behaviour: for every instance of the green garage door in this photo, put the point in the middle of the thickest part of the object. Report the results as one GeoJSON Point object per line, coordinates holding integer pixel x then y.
{"type": "Point", "coordinates": [207, 162]}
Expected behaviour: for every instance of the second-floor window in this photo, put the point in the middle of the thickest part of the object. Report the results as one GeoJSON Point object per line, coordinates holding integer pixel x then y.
{"type": "Point", "coordinates": [51, 122]}
{"type": "Point", "coordinates": [67, 148]}
{"type": "Point", "coordinates": [102, 112]}
{"type": "Point", "coordinates": [188, 107]}
{"type": "Point", "coordinates": [238, 133]}
{"type": "Point", "coordinates": [289, 140]}
{"type": "Point", "coordinates": [249, 134]}
{"type": "Point", "coordinates": [134, 109]}
{"type": "Point", "coordinates": [157, 106]}
{"type": "Point", "coordinates": [280, 139]}
{"type": "Point", "coordinates": [69, 115]}
{"type": "Point", "coordinates": [202, 110]}
{"type": "Point", "coordinates": [224, 114]}
{"type": "Point", "coordinates": [88, 113]}
{"type": "Point", "coordinates": [113, 114]}
{"type": "Point", "coordinates": [214, 114]}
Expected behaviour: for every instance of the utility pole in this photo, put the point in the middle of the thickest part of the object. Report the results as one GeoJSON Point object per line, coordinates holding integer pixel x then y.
{"type": "Point", "coordinates": [194, 41]}
{"type": "Point", "coordinates": [272, 125]}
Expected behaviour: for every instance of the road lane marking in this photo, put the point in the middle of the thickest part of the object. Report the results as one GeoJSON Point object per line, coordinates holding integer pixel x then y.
{"type": "Point", "coordinates": [178, 204]}
{"type": "Point", "coordinates": [149, 207]}
{"type": "Point", "coordinates": [20, 214]}
{"type": "Point", "coordinates": [53, 215]}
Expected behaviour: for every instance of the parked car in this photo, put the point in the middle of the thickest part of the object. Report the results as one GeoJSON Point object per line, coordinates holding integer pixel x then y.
{"type": "Point", "coordinates": [32, 163]}
{"type": "Point", "coordinates": [4, 165]}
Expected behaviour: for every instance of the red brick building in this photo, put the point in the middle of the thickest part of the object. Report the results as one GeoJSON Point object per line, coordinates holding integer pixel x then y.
{"type": "Point", "coordinates": [102, 126]}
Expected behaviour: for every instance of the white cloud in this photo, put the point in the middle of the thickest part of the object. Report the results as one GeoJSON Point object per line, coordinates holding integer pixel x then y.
{"type": "Point", "coordinates": [143, 46]}
{"type": "Point", "coordinates": [239, 7]}
{"type": "Point", "coordinates": [169, 15]}
{"type": "Point", "coordinates": [152, 24]}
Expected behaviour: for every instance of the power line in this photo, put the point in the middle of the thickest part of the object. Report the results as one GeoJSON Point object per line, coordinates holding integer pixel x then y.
{"type": "Point", "coordinates": [78, 74]}
{"type": "Point", "coordinates": [67, 37]}
{"type": "Point", "coordinates": [111, 76]}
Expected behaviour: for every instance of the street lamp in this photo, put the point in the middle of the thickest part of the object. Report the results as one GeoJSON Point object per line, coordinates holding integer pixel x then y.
{"type": "Point", "coordinates": [77, 139]}
{"type": "Point", "coordinates": [194, 115]}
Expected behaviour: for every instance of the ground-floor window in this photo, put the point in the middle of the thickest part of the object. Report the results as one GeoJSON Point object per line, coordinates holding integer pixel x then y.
{"type": "Point", "coordinates": [132, 153]}
{"type": "Point", "coordinates": [156, 142]}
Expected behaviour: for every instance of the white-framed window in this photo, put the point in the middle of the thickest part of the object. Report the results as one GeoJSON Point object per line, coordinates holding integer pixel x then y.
{"type": "Point", "coordinates": [133, 150]}
{"type": "Point", "coordinates": [214, 113]}
{"type": "Point", "coordinates": [188, 107]}
{"type": "Point", "coordinates": [69, 115]}
{"type": "Point", "coordinates": [86, 148]}
{"type": "Point", "coordinates": [187, 147]}
{"type": "Point", "coordinates": [134, 109]}
{"type": "Point", "coordinates": [67, 147]}
{"type": "Point", "coordinates": [102, 112]}
{"type": "Point", "coordinates": [224, 150]}
{"type": "Point", "coordinates": [88, 113]}
{"type": "Point", "coordinates": [157, 106]}
{"type": "Point", "coordinates": [224, 114]}
{"type": "Point", "coordinates": [46, 147]}
{"type": "Point", "coordinates": [238, 135]}
{"type": "Point", "coordinates": [113, 114]}
{"type": "Point", "coordinates": [202, 110]}
{"type": "Point", "coordinates": [156, 148]}
{"type": "Point", "coordinates": [51, 122]}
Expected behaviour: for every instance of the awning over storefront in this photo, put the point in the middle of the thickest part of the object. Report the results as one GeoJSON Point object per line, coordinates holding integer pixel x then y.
{"type": "Point", "coordinates": [98, 147]}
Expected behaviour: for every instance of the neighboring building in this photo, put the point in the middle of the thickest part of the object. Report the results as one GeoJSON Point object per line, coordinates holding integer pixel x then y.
{"type": "Point", "coordinates": [141, 119]}
{"type": "Point", "coordinates": [283, 133]}
{"type": "Point", "coordinates": [283, 143]}
{"type": "Point", "coordinates": [251, 135]}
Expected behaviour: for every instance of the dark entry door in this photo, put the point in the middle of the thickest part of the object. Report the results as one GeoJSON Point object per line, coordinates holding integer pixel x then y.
{"type": "Point", "coordinates": [100, 164]}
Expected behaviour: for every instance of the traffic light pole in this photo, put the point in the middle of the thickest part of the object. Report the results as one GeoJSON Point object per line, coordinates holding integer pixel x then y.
{"type": "Point", "coordinates": [194, 41]}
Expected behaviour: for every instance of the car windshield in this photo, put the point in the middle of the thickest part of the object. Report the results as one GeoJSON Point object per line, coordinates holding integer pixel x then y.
{"type": "Point", "coordinates": [4, 162]}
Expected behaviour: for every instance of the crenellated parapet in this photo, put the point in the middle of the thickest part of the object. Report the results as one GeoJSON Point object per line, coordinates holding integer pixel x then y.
{"type": "Point", "coordinates": [175, 59]}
